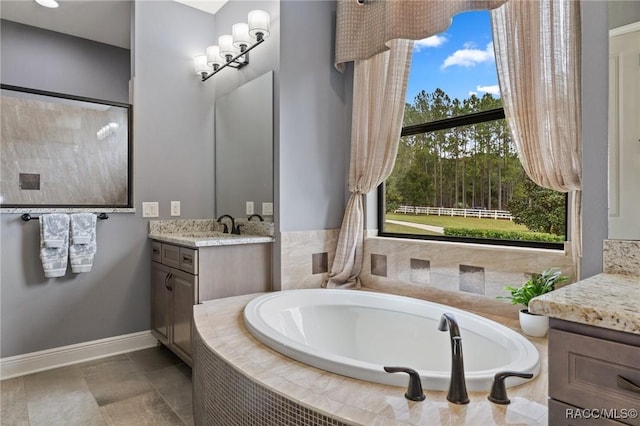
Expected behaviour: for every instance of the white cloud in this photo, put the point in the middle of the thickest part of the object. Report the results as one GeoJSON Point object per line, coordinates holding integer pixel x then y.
{"type": "Point", "coordinates": [433, 41]}
{"type": "Point", "coordinates": [493, 89]}
{"type": "Point", "coordinates": [469, 57]}
{"type": "Point", "coordinates": [471, 93]}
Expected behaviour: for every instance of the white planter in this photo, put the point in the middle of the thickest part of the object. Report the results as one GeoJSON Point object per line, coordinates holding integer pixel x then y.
{"type": "Point", "coordinates": [533, 325]}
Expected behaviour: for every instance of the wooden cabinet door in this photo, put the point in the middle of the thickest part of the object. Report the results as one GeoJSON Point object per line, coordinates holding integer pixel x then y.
{"type": "Point", "coordinates": [183, 287]}
{"type": "Point", "coordinates": [160, 302]}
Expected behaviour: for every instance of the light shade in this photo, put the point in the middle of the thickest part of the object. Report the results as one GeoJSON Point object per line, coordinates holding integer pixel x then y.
{"type": "Point", "coordinates": [213, 56]}
{"type": "Point", "coordinates": [226, 45]}
{"type": "Point", "coordinates": [240, 33]}
{"type": "Point", "coordinates": [259, 23]}
{"type": "Point", "coordinates": [200, 63]}
{"type": "Point", "coordinates": [48, 3]}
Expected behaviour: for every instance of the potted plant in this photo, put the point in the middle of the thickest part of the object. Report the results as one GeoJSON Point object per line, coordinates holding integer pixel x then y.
{"type": "Point", "coordinates": [532, 324]}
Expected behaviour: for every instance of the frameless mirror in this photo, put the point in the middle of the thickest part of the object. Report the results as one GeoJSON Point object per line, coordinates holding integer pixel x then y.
{"type": "Point", "coordinates": [244, 148]}
{"type": "Point", "coordinates": [63, 151]}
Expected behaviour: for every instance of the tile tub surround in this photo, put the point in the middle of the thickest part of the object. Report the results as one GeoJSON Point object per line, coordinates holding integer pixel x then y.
{"type": "Point", "coordinates": [455, 266]}
{"type": "Point", "coordinates": [604, 300]}
{"type": "Point", "coordinates": [297, 253]}
{"type": "Point", "coordinates": [621, 257]}
{"type": "Point", "coordinates": [221, 330]}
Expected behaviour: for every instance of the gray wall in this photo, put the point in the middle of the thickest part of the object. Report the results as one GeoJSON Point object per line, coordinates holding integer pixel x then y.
{"type": "Point", "coordinates": [623, 12]}
{"type": "Point", "coordinates": [595, 88]}
{"type": "Point", "coordinates": [47, 60]}
{"type": "Point", "coordinates": [173, 160]}
{"type": "Point", "coordinates": [315, 120]}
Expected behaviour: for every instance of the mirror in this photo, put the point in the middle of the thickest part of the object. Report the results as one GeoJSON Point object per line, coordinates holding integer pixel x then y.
{"type": "Point", "coordinates": [624, 128]}
{"type": "Point", "coordinates": [63, 151]}
{"type": "Point", "coordinates": [244, 148]}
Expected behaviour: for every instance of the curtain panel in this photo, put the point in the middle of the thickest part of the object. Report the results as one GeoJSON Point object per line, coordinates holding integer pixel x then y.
{"type": "Point", "coordinates": [541, 93]}
{"type": "Point", "coordinates": [364, 30]}
{"type": "Point", "coordinates": [379, 88]}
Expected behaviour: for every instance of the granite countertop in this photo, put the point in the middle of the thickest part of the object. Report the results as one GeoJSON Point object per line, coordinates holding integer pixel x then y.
{"type": "Point", "coordinates": [209, 239]}
{"type": "Point", "coordinates": [220, 323]}
{"type": "Point", "coordinates": [604, 300]}
{"type": "Point", "coordinates": [208, 232]}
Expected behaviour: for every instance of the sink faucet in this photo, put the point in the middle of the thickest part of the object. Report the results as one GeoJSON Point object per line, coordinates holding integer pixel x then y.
{"type": "Point", "coordinates": [457, 387]}
{"type": "Point", "coordinates": [226, 228]}
{"type": "Point", "coordinates": [256, 215]}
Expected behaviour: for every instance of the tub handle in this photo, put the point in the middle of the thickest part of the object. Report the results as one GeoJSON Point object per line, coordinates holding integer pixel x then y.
{"type": "Point", "coordinates": [498, 393]}
{"type": "Point", "coordinates": [414, 391]}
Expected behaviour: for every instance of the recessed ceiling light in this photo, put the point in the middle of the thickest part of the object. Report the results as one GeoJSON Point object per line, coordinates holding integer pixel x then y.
{"type": "Point", "coordinates": [48, 3]}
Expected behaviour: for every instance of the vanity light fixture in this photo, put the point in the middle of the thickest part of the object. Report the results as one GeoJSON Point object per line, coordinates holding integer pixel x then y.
{"type": "Point", "coordinates": [48, 3]}
{"type": "Point", "coordinates": [233, 50]}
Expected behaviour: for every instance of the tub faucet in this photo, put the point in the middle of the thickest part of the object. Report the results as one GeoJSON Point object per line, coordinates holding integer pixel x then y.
{"type": "Point", "coordinates": [457, 387]}
{"type": "Point", "coordinates": [226, 228]}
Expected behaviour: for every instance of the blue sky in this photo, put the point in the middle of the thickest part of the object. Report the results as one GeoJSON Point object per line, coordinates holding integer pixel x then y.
{"type": "Point", "coordinates": [459, 61]}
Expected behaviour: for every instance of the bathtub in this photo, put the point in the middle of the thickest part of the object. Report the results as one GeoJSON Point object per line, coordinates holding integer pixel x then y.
{"type": "Point", "coordinates": [357, 333]}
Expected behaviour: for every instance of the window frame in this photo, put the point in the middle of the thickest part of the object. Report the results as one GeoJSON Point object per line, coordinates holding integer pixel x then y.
{"type": "Point", "coordinates": [448, 123]}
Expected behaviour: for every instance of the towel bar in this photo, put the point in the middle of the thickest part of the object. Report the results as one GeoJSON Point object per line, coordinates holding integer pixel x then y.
{"type": "Point", "coordinates": [27, 217]}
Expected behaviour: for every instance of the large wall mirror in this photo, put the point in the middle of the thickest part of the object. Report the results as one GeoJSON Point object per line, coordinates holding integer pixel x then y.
{"type": "Point", "coordinates": [244, 148]}
{"type": "Point", "coordinates": [64, 151]}
{"type": "Point", "coordinates": [624, 126]}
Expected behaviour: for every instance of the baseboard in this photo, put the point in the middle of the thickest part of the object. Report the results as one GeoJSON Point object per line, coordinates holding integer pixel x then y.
{"type": "Point", "coordinates": [33, 362]}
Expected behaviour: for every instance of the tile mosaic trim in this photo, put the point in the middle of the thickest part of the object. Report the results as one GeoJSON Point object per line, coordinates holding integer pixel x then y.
{"type": "Point", "coordinates": [223, 396]}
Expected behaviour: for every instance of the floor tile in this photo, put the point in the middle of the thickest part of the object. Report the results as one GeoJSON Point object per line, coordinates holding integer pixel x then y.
{"type": "Point", "coordinates": [154, 358]}
{"type": "Point", "coordinates": [146, 409]}
{"type": "Point", "coordinates": [115, 379]}
{"type": "Point", "coordinates": [13, 402]}
{"type": "Point", "coordinates": [61, 397]}
{"type": "Point", "coordinates": [174, 385]}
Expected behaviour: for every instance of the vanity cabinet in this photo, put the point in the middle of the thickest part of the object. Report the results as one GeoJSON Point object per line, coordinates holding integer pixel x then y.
{"type": "Point", "coordinates": [182, 277]}
{"type": "Point", "coordinates": [593, 369]}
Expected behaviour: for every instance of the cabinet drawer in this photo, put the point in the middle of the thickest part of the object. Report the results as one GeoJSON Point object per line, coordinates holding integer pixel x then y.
{"type": "Point", "coordinates": [156, 251]}
{"type": "Point", "coordinates": [587, 371]}
{"type": "Point", "coordinates": [189, 260]}
{"type": "Point", "coordinates": [171, 255]}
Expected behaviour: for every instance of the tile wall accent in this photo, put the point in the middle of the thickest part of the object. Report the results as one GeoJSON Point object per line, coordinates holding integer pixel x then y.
{"type": "Point", "coordinates": [379, 265]}
{"type": "Point", "coordinates": [621, 257]}
{"type": "Point", "coordinates": [319, 263]}
{"type": "Point", "coordinates": [420, 271]}
{"type": "Point", "coordinates": [437, 265]}
{"type": "Point", "coordinates": [298, 250]}
{"type": "Point", "coordinates": [471, 279]}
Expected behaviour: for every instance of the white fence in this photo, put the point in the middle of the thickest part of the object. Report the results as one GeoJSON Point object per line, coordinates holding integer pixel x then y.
{"type": "Point", "coordinates": [444, 211]}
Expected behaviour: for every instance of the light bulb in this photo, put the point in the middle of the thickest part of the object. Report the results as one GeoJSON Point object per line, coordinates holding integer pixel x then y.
{"type": "Point", "coordinates": [259, 24]}
{"type": "Point", "coordinates": [226, 45]}
{"type": "Point", "coordinates": [241, 35]}
{"type": "Point", "coordinates": [200, 63]}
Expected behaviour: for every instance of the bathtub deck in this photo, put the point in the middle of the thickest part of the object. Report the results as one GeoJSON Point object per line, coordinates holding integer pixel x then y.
{"type": "Point", "coordinates": [221, 326]}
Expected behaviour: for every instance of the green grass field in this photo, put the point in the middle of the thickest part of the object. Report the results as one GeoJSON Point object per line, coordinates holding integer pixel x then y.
{"type": "Point", "coordinates": [447, 222]}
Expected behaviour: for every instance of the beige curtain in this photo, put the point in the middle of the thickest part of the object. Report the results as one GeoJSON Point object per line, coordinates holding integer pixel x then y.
{"type": "Point", "coordinates": [538, 56]}
{"type": "Point", "coordinates": [363, 30]}
{"type": "Point", "coordinates": [379, 87]}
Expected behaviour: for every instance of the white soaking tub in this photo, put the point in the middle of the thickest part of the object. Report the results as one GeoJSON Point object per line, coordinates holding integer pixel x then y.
{"type": "Point", "coordinates": [357, 333]}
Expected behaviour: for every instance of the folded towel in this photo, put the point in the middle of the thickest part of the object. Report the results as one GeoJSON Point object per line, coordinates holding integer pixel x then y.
{"type": "Point", "coordinates": [81, 256]}
{"type": "Point", "coordinates": [54, 259]}
{"type": "Point", "coordinates": [54, 229]}
{"type": "Point", "coordinates": [83, 242]}
{"type": "Point", "coordinates": [83, 228]}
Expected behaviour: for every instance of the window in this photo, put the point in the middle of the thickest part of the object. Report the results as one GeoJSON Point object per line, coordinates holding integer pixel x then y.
{"type": "Point", "coordinates": [457, 175]}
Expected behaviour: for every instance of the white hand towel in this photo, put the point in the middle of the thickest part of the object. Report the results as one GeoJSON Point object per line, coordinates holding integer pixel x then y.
{"type": "Point", "coordinates": [54, 229]}
{"type": "Point", "coordinates": [83, 242]}
{"type": "Point", "coordinates": [83, 228]}
{"type": "Point", "coordinates": [54, 259]}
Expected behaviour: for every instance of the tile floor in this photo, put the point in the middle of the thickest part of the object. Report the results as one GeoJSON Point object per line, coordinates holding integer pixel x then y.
{"type": "Point", "coordinates": [147, 387]}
